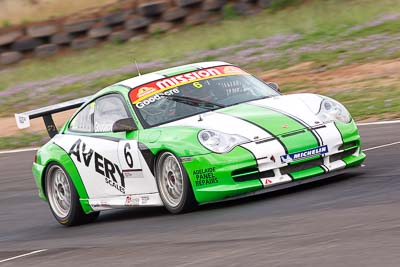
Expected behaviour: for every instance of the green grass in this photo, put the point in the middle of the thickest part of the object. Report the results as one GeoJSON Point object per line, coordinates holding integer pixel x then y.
{"type": "Point", "coordinates": [387, 27]}
{"type": "Point", "coordinates": [23, 140]}
{"type": "Point", "coordinates": [317, 20]}
{"type": "Point", "coordinates": [282, 4]}
{"type": "Point", "coordinates": [373, 101]}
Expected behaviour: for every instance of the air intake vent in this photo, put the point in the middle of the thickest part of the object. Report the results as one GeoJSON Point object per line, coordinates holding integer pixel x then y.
{"type": "Point", "coordinates": [248, 174]}
{"type": "Point", "coordinates": [302, 166]}
{"type": "Point", "coordinates": [342, 155]}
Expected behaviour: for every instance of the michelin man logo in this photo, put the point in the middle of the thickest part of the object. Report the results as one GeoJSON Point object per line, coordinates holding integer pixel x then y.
{"type": "Point", "coordinates": [288, 158]}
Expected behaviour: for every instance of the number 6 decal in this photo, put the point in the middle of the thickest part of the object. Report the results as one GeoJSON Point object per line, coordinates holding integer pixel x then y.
{"type": "Point", "coordinates": [128, 155]}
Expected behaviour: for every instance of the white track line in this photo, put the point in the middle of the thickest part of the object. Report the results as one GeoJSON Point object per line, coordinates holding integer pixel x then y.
{"type": "Point", "coordinates": [19, 150]}
{"type": "Point", "coordinates": [23, 255]}
{"type": "Point", "coordinates": [378, 123]}
{"type": "Point", "coordinates": [376, 147]}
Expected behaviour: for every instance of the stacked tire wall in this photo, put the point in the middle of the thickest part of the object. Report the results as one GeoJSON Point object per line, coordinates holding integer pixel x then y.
{"type": "Point", "coordinates": [128, 21]}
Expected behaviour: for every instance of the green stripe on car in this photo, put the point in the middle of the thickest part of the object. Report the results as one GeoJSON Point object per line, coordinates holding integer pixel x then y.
{"type": "Point", "coordinates": [176, 71]}
{"type": "Point", "coordinates": [278, 125]}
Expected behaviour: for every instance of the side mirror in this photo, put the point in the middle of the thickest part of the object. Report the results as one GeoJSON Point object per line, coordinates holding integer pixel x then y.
{"type": "Point", "coordinates": [124, 125]}
{"type": "Point", "coordinates": [274, 86]}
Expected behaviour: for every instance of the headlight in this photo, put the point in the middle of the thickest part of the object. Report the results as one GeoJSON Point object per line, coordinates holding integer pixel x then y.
{"type": "Point", "coordinates": [332, 110]}
{"type": "Point", "coordinates": [220, 142]}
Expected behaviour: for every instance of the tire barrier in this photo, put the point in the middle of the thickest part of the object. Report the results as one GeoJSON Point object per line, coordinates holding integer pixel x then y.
{"type": "Point", "coordinates": [130, 21]}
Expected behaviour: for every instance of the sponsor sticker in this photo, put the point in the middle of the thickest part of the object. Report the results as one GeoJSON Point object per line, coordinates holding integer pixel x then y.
{"type": "Point", "coordinates": [321, 150]}
{"type": "Point", "coordinates": [132, 200]}
{"type": "Point", "coordinates": [232, 69]}
{"type": "Point", "coordinates": [146, 91]}
{"type": "Point", "coordinates": [270, 181]}
{"type": "Point", "coordinates": [205, 176]}
{"type": "Point", "coordinates": [22, 121]}
{"type": "Point", "coordinates": [156, 97]}
{"type": "Point", "coordinates": [143, 200]}
{"type": "Point", "coordinates": [143, 91]}
{"type": "Point", "coordinates": [101, 204]}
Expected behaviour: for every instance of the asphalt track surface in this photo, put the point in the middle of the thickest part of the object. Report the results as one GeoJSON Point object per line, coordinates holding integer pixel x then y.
{"type": "Point", "coordinates": [352, 220]}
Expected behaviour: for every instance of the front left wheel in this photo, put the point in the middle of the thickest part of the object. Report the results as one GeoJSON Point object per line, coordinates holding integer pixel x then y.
{"type": "Point", "coordinates": [173, 184]}
{"type": "Point", "coordinates": [63, 198]}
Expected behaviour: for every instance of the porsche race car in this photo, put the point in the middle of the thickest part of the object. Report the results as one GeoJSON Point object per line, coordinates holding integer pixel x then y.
{"type": "Point", "coordinates": [186, 136]}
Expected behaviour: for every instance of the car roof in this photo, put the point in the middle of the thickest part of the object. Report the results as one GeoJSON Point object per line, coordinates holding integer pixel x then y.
{"type": "Point", "coordinates": [160, 74]}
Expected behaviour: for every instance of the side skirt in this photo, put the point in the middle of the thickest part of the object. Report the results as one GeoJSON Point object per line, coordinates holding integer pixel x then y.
{"type": "Point", "coordinates": [140, 200]}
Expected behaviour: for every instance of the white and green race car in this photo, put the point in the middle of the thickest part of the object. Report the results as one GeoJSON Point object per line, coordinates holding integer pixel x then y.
{"type": "Point", "coordinates": [185, 136]}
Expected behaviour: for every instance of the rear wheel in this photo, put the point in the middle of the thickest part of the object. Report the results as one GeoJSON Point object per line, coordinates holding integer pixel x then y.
{"type": "Point", "coordinates": [63, 198]}
{"type": "Point", "coordinates": [173, 184]}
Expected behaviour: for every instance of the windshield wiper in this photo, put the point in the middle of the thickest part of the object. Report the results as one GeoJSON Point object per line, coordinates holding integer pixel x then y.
{"type": "Point", "coordinates": [194, 102]}
{"type": "Point", "coordinates": [262, 97]}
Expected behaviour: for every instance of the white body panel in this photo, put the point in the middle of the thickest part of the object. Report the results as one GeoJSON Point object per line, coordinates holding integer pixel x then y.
{"type": "Point", "coordinates": [303, 107]}
{"type": "Point", "coordinates": [126, 201]}
{"type": "Point", "coordinates": [105, 172]}
{"type": "Point", "coordinates": [223, 123]}
{"type": "Point", "coordinates": [146, 78]}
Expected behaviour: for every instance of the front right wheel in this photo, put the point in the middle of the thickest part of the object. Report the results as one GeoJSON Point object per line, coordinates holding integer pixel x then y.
{"type": "Point", "coordinates": [173, 184]}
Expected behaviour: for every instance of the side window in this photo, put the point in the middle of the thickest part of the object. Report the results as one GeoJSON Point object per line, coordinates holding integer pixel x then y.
{"type": "Point", "coordinates": [83, 121]}
{"type": "Point", "coordinates": [108, 109]}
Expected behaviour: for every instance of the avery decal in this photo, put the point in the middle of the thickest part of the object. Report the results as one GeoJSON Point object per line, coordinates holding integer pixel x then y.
{"type": "Point", "coordinates": [101, 165]}
{"type": "Point", "coordinates": [304, 154]}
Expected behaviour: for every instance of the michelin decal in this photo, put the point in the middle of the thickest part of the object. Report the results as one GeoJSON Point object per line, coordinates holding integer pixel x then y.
{"type": "Point", "coordinates": [288, 158]}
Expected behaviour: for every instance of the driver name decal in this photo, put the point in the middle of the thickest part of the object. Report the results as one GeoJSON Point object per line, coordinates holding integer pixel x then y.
{"type": "Point", "coordinates": [102, 165]}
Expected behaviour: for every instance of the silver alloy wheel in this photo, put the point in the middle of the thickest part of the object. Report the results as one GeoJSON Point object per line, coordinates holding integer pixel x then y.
{"type": "Point", "coordinates": [170, 178]}
{"type": "Point", "coordinates": [58, 191]}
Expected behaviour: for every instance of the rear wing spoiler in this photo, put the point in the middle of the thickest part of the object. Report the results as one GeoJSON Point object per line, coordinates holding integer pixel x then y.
{"type": "Point", "coordinates": [23, 119]}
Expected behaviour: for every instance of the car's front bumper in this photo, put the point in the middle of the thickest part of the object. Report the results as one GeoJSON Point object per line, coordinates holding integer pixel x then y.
{"type": "Point", "coordinates": [216, 177]}
{"type": "Point", "coordinates": [212, 180]}
{"type": "Point", "coordinates": [334, 174]}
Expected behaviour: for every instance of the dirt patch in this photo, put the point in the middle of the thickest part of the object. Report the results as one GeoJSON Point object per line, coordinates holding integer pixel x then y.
{"type": "Point", "coordinates": [356, 76]}
{"type": "Point", "coordinates": [22, 11]}
{"type": "Point", "coordinates": [9, 127]}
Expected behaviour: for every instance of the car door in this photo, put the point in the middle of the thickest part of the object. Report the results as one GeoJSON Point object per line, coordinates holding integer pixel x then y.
{"type": "Point", "coordinates": [93, 147]}
{"type": "Point", "coordinates": [131, 174]}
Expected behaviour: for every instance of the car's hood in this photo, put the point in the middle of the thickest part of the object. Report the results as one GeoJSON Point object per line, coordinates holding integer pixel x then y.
{"type": "Point", "coordinates": [260, 119]}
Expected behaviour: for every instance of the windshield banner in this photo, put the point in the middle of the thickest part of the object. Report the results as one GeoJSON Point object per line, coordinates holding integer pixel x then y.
{"type": "Point", "coordinates": [146, 90]}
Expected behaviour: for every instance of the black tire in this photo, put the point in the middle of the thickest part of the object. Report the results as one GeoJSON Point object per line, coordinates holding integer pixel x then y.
{"type": "Point", "coordinates": [187, 201]}
{"type": "Point", "coordinates": [26, 44]}
{"type": "Point", "coordinates": [67, 216]}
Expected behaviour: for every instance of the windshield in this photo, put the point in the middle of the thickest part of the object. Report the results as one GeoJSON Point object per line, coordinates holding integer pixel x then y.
{"type": "Point", "coordinates": [192, 93]}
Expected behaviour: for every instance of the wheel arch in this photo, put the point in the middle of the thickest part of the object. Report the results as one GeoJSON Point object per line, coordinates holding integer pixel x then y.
{"type": "Point", "coordinates": [55, 154]}
{"type": "Point", "coordinates": [191, 202]}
